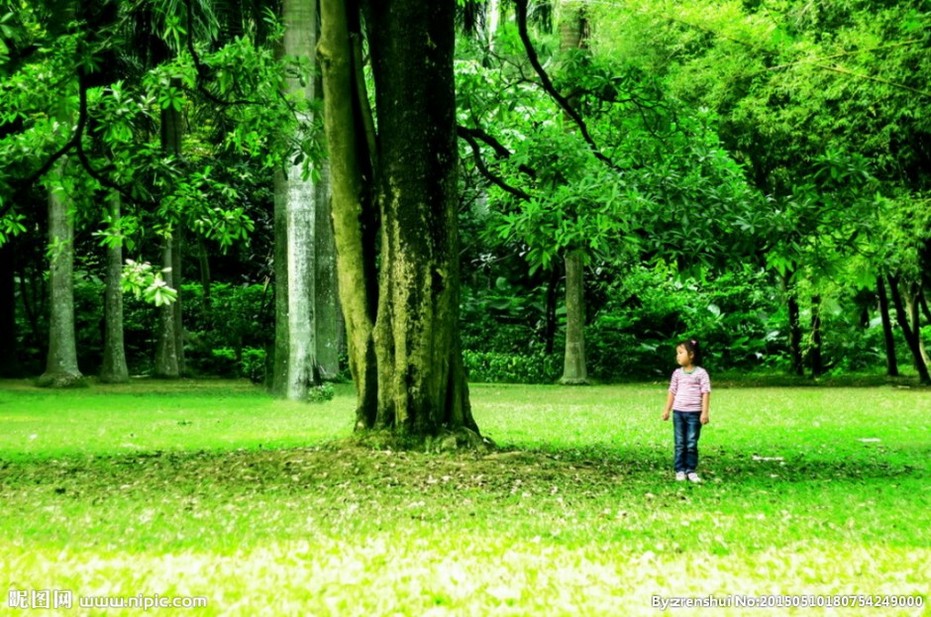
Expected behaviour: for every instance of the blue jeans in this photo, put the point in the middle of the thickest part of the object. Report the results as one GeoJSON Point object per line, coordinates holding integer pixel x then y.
{"type": "Point", "coordinates": [687, 427]}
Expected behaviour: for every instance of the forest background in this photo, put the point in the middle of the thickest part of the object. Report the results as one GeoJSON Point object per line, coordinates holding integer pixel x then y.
{"type": "Point", "coordinates": [754, 174]}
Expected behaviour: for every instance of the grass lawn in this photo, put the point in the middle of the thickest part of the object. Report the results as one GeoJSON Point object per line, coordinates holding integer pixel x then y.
{"type": "Point", "coordinates": [214, 489]}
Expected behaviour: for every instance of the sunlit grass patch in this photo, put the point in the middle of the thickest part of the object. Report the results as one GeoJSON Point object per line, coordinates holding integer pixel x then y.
{"type": "Point", "coordinates": [261, 506]}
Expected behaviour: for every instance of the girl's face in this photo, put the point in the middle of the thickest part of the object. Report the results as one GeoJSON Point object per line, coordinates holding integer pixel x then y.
{"type": "Point", "coordinates": [683, 357]}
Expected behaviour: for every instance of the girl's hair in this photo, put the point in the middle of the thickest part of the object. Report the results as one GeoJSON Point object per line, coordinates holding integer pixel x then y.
{"type": "Point", "coordinates": [691, 346]}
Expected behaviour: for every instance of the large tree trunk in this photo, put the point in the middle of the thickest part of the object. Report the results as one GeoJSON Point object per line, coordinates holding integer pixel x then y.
{"type": "Point", "coordinates": [8, 345]}
{"type": "Point", "coordinates": [354, 218]}
{"type": "Point", "coordinates": [114, 368]}
{"type": "Point", "coordinates": [62, 362]}
{"type": "Point", "coordinates": [892, 363]}
{"type": "Point", "coordinates": [298, 197]}
{"type": "Point", "coordinates": [413, 341]}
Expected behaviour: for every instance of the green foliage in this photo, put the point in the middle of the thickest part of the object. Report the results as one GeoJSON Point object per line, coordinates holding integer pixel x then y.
{"type": "Point", "coordinates": [496, 367]}
{"type": "Point", "coordinates": [252, 366]}
{"type": "Point", "coordinates": [231, 322]}
{"type": "Point", "coordinates": [505, 319]}
{"type": "Point", "coordinates": [144, 282]}
{"type": "Point", "coordinates": [648, 311]}
{"type": "Point", "coordinates": [321, 394]}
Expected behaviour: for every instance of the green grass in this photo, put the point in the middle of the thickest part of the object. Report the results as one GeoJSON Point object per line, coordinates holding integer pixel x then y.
{"type": "Point", "coordinates": [214, 489]}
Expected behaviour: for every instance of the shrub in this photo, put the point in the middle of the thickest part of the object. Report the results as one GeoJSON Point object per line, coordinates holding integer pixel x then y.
{"type": "Point", "coordinates": [494, 367]}
{"type": "Point", "coordinates": [320, 394]}
{"type": "Point", "coordinates": [252, 365]}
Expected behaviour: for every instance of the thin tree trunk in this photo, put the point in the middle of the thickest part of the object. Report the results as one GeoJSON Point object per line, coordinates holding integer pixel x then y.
{"type": "Point", "coordinates": [329, 323]}
{"type": "Point", "coordinates": [177, 245]}
{"type": "Point", "coordinates": [795, 329]}
{"type": "Point", "coordinates": [552, 293]}
{"type": "Point", "coordinates": [203, 258]}
{"type": "Point", "coordinates": [8, 331]}
{"type": "Point", "coordinates": [912, 302]}
{"type": "Point", "coordinates": [167, 348]}
{"type": "Point", "coordinates": [114, 368]}
{"type": "Point", "coordinates": [279, 355]}
{"type": "Point", "coordinates": [62, 362]}
{"type": "Point", "coordinates": [892, 363]}
{"type": "Point", "coordinates": [911, 336]}
{"type": "Point", "coordinates": [815, 353]}
{"type": "Point", "coordinates": [574, 370]}
{"type": "Point", "coordinates": [167, 365]}
{"type": "Point", "coordinates": [925, 311]}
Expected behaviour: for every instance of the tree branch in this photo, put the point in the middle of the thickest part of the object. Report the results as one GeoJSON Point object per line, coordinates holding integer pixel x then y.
{"type": "Point", "coordinates": [879, 80]}
{"type": "Point", "coordinates": [490, 141]}
{"type": "Point", "coordinates": [466, 134]}
{"type": "Point", "coordinates": [550, 89]}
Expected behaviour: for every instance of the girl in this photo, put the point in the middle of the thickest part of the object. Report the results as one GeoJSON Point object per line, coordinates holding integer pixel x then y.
{"type": "Point", "coordinates": [689, 395]}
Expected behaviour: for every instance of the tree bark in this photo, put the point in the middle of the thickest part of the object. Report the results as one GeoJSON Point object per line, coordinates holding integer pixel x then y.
{"type": "Point", "coordinates": [168, 342]}
{"type": "Point", "coordinates": [114, 368]}
{"type": "Point", "coordinates": [815, 353]}
{"type": "Point", "coordinates": [62, 362]}
{"type": "Point", "coordinates": [299, 196]}
{"type": "Point", "coordinates": [795, 329]}
{"type": "Point", "coordinates": [552, 292]}
{"type": "Point", "coordinates": [911, 334]}
{"type": "Point", "coordinates": [167, 362]}
{"type": "Point", "coordinates": [574, 370]}
{"type": "Point", "coordinates": [403, 337]}
{"type": "Point", "coordinates": [892, 363]}
{"type": "Point", "coordinates": [912, 302]}
{"type": "Point", "coordinates": [177, 245]}
{"type": "Point", "coordinates": [329, 326]}
{"type": "Point", "coordinates": [280, 349]}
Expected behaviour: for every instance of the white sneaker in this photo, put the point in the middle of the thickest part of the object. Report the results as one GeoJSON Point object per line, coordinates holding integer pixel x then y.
{"type": "Point", "coordinates": [693, 477]}
{"type": "Point", "coordinates": [680, 476]}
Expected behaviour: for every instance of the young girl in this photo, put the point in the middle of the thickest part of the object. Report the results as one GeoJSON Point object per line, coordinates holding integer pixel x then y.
{"type": "Point", "coordinates": [689, 395]}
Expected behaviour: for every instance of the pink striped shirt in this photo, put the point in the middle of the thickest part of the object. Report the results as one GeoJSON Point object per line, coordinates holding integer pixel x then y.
{"type": "Point", "coordinates": [688, 388]}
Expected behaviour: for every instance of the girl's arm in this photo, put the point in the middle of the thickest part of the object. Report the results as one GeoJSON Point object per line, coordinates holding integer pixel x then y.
{"type": "Point", "coordinates": [705, 405]}
{"type": "Point", "coordinates": [668, 407]}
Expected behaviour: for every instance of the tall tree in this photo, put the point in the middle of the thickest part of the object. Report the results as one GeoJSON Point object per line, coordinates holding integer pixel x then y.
{"type": "Point", "coordinates": [61, 367]}
{"type": "Point", "coordinates": [114, 368]}
{"type": "Point", "coordinates": [572, 25]}
{"type": "Point", "coordinates": [299, 200]}
{"type": "Point", "coordinates": [400, 303]}
{"type": "Point", "coordinates": [169, 340]}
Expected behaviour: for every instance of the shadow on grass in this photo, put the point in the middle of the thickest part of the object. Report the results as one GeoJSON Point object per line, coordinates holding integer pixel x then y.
{"type": "Point", "coordinates": [329, 467]}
